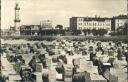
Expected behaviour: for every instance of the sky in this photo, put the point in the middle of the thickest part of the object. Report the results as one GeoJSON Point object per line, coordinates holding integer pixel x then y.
{"type": "Point", "coordinates": [59, 11]}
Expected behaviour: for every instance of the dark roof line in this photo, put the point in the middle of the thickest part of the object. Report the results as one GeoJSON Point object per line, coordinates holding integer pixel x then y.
{"type": "Point", "coordinates": [98, 17]}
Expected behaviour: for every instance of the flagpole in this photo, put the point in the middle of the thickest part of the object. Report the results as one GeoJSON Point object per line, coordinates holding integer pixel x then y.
{"type": "Point", "coordinates": [126, 31]}
{"type": "Point", "coordinates": [0, 37]}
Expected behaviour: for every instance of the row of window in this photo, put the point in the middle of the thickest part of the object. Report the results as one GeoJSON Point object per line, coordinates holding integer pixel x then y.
{"type": "Point", "coordinates": [94, 24]}
{"type": "Point", "coordinates": [90, 27]}
{"type": "Point", "coordinates": [120, 24]}
{"type": "Point", "coordinates": [120, 20]}
{"type": "Point", "coordinates": [81, 19]}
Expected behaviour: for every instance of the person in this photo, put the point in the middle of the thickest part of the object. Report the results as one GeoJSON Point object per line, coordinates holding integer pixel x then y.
{"type": "Point", "coordinates": [31, 50]}
{"type": "Point", "coordinates": [32, 64]}
{"type": "Point", "coordinates": [102, 50]}
{"type": "Point", "coordinates": [21, 74]}
{"type": "Point", "coordinates": [110, 52]}
{"type": "Point", "coordinates": [92, 55]}
{"type": "Point", "coordinates": [119, 54]}
{"type": "Point", "coordinates": [100, 67]}
{"type": "Point", "coordinates": [126, 54]}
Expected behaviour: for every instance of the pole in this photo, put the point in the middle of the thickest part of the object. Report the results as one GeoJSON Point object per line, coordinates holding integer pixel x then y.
{"type": "Point", "coordinates": [127, 71]}
{"type": "Point", "coordinates": [127, 8]}
{"type": "Point", "coordinates": [0, 37]}
{"type": "Point", "coordinates": [127, 19]}
{"type": "Point", "coordinates": [126, 33]}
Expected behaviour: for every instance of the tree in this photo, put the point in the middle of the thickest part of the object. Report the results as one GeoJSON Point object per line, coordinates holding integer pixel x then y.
{"type": "Point", "coordinates": [85, 32]}
{"type": "Point", "coordinates": [76, 32]}
{"type": "Point", "coordinates": [88, 31]}
{"type": "Point", "coordinates": [120, 30]}
{"type": "Point", "coordinates": [94, 32]}
{"type": "Point", "coordinates": [125, 31]}
{"type": "Point", "coordinates": [102, 32]}
{"type": "Point", "coordinates": [59, 26]}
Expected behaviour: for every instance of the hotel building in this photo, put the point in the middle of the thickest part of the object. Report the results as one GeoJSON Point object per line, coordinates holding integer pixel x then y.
{"type": "Point", "coordinates": [80, 23]}
{"type": "Point", "coordinates": [110, 24]}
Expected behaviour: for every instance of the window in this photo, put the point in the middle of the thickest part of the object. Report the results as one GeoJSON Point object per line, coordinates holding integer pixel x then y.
{"type": "Point", "coordinates": [107, 24]}
{"type": "Point", "coordinates": [68, 76]}
{"type": "Point", "coordinates": [117, 24]}
{"type": "Point", "coordinates": [81, 19]}
{"type": "Point", "coordinates": [118, 20]}
{"type": "Point", "coordinates": [85, 24]}
{"type": "Point", "coordinates": [95, 24]}
{"type": "Point", "coordinates": [89, 24]}
{"type": "Point", "coordinates": [103, 24]}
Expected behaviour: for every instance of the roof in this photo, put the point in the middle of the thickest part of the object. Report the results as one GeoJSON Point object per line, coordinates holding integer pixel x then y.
{"type": "Point", "coordinates": [121, 17]}
{"type": "Point", "coordinates": [102, 18]}
{"type": "Point", "coordinates": [93, 18]}
{"type": "Point", "coordinates": [28, 25]}
{"type": "Point", "coordinates": [96, 19]}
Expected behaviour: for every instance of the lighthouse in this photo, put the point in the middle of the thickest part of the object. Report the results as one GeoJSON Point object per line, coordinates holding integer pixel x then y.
{"type": "Point", "coordinates": [17, 18]}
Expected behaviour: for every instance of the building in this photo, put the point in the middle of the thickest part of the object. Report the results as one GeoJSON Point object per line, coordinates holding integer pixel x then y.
{"type": "Point", "coordinates": [119, 22]}
{"type": "Point", "coordinates": [25, 30]}
{"type": "Point", "coordinates": [29, 29]}
{"type": "Point", "coordinates": [80, 23]}
{"type": "Point", "coordinates": [46, 24]}
{"type": "Point", "coordinates": [111, 24]}
{"type": "Point", "coordinates": [5, 32]}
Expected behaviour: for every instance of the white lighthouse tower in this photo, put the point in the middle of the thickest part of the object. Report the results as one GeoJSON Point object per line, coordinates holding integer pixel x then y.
{"type": "Point", "coordinates": [17, 19]}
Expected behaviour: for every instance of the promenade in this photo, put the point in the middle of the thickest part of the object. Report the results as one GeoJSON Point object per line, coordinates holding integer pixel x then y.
{"type": "Point", "coordinates": [80, 37]}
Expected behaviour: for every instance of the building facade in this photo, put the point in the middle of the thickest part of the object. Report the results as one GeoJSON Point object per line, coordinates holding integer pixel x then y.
{"type": "Point", "coordinates": [46, 24]}
{"type": "Point", "coordinates": [5, 32]}
{"type": "Point", "coordinates": [110, 24]}
{"type": "Point", "coordinates": [119, 22]}
{"type": "Point", "coordinates": [80, 23]}
{"type": "Point", "coordinates": [29, 29]}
